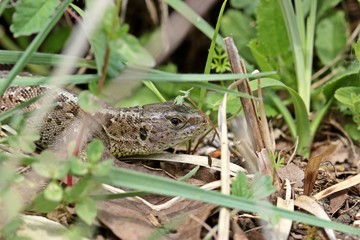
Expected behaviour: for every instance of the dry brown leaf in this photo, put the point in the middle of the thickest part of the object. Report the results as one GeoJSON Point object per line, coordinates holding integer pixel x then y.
{"type": "Point", "coordinates": [283, 227]}
{"type": "Point", "coordinates": [312, 169]}
{"type": "Point", "coordinates": [352, 181]}
{"type": "Point", "coordinates": [293, 173]}
{"type": "Point", "coordinates": [132, 220]}
{"type": "Point", "coordinates": [311, 206]}
{"type": "Point", "coordinates": [337, 200]}
{"type": "Point", "coordinates": [340, 154]}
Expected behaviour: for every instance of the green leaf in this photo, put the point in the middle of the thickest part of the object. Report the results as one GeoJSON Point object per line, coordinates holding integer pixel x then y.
{"type": "Point", "coordinates": [80, 191]}
{"type": "Point", "coordinates": [331, 36]}
{"type": "Point", "coordinates": [24, 140]}
{"type": "Point", "coordinates": [326, 5]}
{"type": "Point", "coordinates": [88, 102]}
{"type": "Point", "coordinates": [241, 28]}
{"type": "Point", "coordinates": [261, 60]}
{"type": "Point", "coordinates": [353, 131]}
{"type": "Point", "coordinates": [349, 78]}
{"type": "Point", "coordinates": [86, 210]}
{"type": "Point", "coordinates": [261, 186]}
{"type": "Point", "coordinates": [53, 192]}
{"type": "Point", "coordinates": [348, 95]}
{"type": "Point", "coordinates": [102, 168]}
{"type": "Point", "coordinates": [239, 186]}
{"type": "Point", "coordinates": [131, 51]}
{"type": "Point", "coordinates": [95, 151]}
{"type": "Point", "coordinates": [31, 16]}
{"type": "Point", "coordinates": [271, 30]}
{"type": "Point", "coordinates": [42, 205]}
{"type": "Point", "coordinates": [51, 166]}
{"type": "Point", "coordinates": [78, 167]}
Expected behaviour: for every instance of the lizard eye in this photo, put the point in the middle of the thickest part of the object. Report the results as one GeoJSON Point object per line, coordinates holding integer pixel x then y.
{"type": "Point", "coordinates": [175, 121]}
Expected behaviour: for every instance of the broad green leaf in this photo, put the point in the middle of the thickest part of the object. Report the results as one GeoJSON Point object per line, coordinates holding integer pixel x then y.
{"type": "Point", "coordinates": [349, 78]}
{"type": "Point", "coordinates": [78, 167]}
{"type": "Point", "coordinates": [24, 140]}
{"type": "Point", "coordinates": [241, 27]}
{"type": "Point", "coordinates": [271, 30]}
{"type": "Point", "coordinates": [131, 51]}
{"type": "Point", "coordinates": [348, 95]}
{"type": "Point", "coordinates": [86, 210]}
{"type": "Point", "coordinates": [325, 5]}
{"type": "Point", "coordinates": [353, 131]}
{"type": "Point", "coordinates": [101, 168]}
{"type": "Point", "coordinates": [331, 36]}
{"type": "Point", "coordinates": [261, 186]}
{"type": "Point", "coordinates": [80, 190]}
{"type": "Point", "coordinates": [53, 192]}
{"type": "Point", "coordinates": [88, 102]}
{"type": "Point", "coordinates": [240, 186]}
{"type": "Point", "coordinates": [261, 60]}
{"type": "Point", "coordinates": [56, 40]}
{"type": "Point", "coordinates": [42, 205]}
{"type": "Point", "coordinates": [95, 151]}
{"type": "Point", "coordinates": [50, 165]}
{"type": "Point", "coordinates": [31, 16]}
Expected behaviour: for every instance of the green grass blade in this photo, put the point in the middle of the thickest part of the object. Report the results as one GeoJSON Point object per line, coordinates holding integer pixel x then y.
{"type": "Point", "coordinates": [297, 50]}
{"type": "Point", "coordinates": [285, 113]}
{"type": "Point", "coordinates": [34, 45]}
{"type": "Point", "coordinates": [195, 19]}
{"type": "Point", "coordinates": [47, 59]}
{"type": "Point", "coordinates": [3, 5]}
{"type": "Point", "coordinates": [211, 52]}
{"type": "Point", "coordinates": [301, 116]}
{"type": "Point", "coordinates": [169, 187]}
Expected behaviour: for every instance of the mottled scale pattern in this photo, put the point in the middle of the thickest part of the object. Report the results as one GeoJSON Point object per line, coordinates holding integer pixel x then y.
{"type": "Point", "coordinates": [125, 131]}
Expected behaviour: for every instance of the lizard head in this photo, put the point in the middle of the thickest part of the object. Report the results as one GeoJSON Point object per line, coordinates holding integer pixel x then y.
{"type": "Point", "coordinates": [152, 128]}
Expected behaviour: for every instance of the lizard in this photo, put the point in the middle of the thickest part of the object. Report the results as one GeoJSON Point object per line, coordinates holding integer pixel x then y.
{"type": "Point", "coordinates": [139, 130]}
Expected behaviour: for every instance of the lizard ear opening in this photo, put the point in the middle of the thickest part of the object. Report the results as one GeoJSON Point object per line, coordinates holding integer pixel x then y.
{"type": "Point", "coordinates": [143, 134]}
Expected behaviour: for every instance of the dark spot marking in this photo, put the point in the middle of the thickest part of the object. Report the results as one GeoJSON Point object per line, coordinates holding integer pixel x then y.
{"type": "Point", "coordinates": [143, 134]}
{"type": "Point", "coordinates": [58, 122]}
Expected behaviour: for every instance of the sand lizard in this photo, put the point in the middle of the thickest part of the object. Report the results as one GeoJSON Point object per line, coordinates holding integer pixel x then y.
{"type": "Point", "coordinates": [125, 131]}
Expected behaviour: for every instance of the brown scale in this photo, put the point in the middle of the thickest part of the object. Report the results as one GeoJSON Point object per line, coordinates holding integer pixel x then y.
{"type": "Point", "coordinates": [126, 131]}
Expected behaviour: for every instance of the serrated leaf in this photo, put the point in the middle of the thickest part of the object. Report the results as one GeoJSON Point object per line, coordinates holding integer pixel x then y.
{"type": "Point", "coordinates": [86, 210]}
{"type": "Point", "coordinates": [261, 186]}
{"type": "Point", "coordinates": [261, 60]}
{"type": "Point", "coordinates": [330, 36]}
{"type": "Point", "coordinates": [271, 30]}
{"type": "Point", "coordinates": [95, 151]}
{"type": "Point", "coordinates": [348, 95]}
{"type": "Point", "coordinates": [31, 16]}
{"type": "Point", "coordinates": [53, 192]}
{"type": "Point", "coordinates": [239, 186]}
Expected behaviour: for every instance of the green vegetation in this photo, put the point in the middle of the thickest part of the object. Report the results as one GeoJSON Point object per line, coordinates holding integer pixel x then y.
{"type": "Point", "coordinates": [298, 48]}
